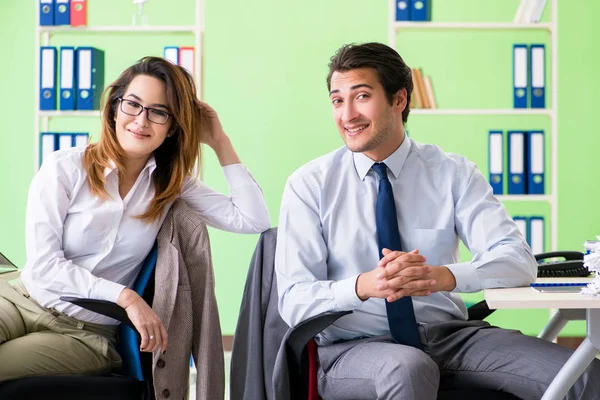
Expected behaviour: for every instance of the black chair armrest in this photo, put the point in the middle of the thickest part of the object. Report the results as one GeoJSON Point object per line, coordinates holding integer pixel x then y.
{"type": "Point", "coordinates": [479, 311]}
{"type": "Point", "coordinates": [295, 345]}
{"type": "Point", "coordinates": [103, 307]}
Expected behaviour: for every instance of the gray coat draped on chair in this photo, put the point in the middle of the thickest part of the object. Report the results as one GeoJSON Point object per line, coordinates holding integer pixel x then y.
{"type": "Point", "coordinates": [258, 367]}
{"type": "Point", "coordinates": [185, 302]}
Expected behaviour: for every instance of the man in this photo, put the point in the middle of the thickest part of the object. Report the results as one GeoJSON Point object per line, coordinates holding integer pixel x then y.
{"type": "Point", "coordinates": [374, 228]}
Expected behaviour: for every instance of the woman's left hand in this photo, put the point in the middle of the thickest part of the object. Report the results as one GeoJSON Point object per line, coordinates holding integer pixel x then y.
{"type": "Point", "coordinates": [211, 129]}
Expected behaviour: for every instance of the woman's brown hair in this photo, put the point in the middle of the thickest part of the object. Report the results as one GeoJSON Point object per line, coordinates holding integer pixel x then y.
{"type": "Point", "coordinates": [176, 158]}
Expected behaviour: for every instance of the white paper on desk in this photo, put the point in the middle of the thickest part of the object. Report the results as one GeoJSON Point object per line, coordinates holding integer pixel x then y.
{"type": "Point", "coordinates": [558, 289]}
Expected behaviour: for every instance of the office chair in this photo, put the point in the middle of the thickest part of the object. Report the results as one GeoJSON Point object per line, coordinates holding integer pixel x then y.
{"type": "Point", "coordinates": [301, 351]}
{"type": "Point", "coordinates": [301, 348]}
{"type": "Point", "coordinates": [133, 381]}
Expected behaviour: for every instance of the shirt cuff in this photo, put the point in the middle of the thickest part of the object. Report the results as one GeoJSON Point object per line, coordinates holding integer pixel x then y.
{"type": "Point", "coordinates": [467, 277]}
{"type": "Point", "coordinates": [107, 290]}
{"type": "Point", "coordinates": [344, 292]}
{"type": "Point", "coordinates": [238, 175]}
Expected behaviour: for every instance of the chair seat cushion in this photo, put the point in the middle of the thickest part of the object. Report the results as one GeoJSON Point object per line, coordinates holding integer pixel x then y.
{"type": "Point", "coordinates": [73, 388]}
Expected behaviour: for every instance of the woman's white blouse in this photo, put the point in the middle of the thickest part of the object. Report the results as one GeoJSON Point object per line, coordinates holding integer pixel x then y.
{"type": "Point", "coordinates": [84, 246]}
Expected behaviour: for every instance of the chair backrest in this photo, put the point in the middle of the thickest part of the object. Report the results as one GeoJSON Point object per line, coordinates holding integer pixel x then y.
{"type": "Point", "coordinates": [129, 345]}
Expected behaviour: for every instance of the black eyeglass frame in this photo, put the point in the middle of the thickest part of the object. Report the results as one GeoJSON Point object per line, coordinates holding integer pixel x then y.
{"type": "Point", "coordinates": [142, 109]}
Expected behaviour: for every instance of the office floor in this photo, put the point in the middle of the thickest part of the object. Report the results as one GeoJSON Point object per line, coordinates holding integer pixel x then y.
{"type": "Point", "coordinates": [193, 378]}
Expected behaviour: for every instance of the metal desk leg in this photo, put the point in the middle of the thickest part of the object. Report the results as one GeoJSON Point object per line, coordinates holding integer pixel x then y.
{"type": "Point", "coordinates": [579, 361]}
{"type": "Point", "coordinates": [558, 322]}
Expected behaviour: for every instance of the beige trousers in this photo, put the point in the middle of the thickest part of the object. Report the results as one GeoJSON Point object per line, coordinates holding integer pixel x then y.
{"type": "Point", "coordinates": [40, 341]}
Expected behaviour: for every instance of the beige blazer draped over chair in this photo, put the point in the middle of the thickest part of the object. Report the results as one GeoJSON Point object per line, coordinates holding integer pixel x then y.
{"type": "Point", "coordinates": [185, 301]}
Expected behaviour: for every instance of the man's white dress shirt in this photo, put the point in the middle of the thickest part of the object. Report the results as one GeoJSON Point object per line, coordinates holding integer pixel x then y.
{"type": "Point", "coordinates": [327, 236]}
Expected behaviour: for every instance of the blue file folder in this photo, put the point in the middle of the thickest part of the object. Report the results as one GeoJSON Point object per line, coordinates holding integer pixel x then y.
{"type": "Point", "coordinates": [535, 162]}
{"type": "Point", "coordinates": [46, 12]}
{"type": "Point", "coordinates": [171, 53]}
{"type": "Point", "coordinates": [81, 139]}
{"type": "Point", "coordinates": [48, 144]}
{"type": "Point", "coordinates": [496, 161]}
{"type": "Point", "coordinates": [421, 10]}
{"type": "Point", "coordinates": [522, 225]}
{"type": "Point", "coordinates": [403, 8]}
{"type": "Point", "coordinates": [516, 162]}
{"type": "Point", "coordinates": [520, 75]}
{"type": "Point", "coordinates": [538, 75]}
{"type": "Point", "coordinates": [536, 234]}
{"type": "Point", "coordinates": [90, 78]}
{"type": "Point", "coordinates": [62, 12]}
{"type": "Point", "coordinates": [67, 78]}
{"type": "Point", "coordinates": [47, 78]}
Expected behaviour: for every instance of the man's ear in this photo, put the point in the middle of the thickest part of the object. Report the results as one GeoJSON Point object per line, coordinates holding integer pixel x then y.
{"type": "Point", "coordinates": [400, 99]}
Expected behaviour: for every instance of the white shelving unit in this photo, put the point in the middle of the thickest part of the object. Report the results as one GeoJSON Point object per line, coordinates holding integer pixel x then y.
{"type": "Point", "coordinates": [395, 27]}
{"type": "Point", "coordinates": [43, 35]}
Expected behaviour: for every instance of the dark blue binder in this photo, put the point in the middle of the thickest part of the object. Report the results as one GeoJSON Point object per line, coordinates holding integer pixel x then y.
{"type": "Point", "coordinates": [421, 10]}
{"type": "Point", "coordinates": [62, 12]}
{"type": "Point", "coordinates": [403, 8]}
{"type": "Point", "coordinates": [46, 12]}
{"type": "Point", "coordinates": [496, 161]}
{"type": "Point", "coordinates": [48, 144]}
{"type": "Point", "coordinates": [47, 78]}
{"type": "Point", "coordinates": [516, 162]}
{"type": "Point", "coordinates": [535, 162]}
{"type": "Point", "coordinates": [520, 75]}
{"type": "Point", "coordinates": [67, 78]}
{"type": "Point", "coordinates": [90, 78]}
{"type": "Point", "coordinates": [537, 57]}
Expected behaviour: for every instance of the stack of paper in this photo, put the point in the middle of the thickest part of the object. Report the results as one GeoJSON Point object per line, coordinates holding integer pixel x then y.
{"type": "Point", "coordinates": [592, 262]}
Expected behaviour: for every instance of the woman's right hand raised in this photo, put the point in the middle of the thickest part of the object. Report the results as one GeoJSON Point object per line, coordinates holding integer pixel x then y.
{"type": "Point", "coordinates": [145, 320]}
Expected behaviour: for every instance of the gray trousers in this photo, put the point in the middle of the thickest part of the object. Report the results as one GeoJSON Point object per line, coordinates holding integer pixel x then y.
{"type": "Point", "coordinates": [457, 355]}
{"type": "Point", "coordinates": [40, 341]}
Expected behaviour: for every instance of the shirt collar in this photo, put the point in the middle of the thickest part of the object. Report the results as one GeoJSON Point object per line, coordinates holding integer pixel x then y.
{"type": "Point", "coordinates": [150, 166]}
{"type": "Point", "coordinates": [394, 162]}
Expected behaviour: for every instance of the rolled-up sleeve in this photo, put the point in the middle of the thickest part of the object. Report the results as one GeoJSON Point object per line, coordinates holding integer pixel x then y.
{"type": "Point", "coordinates": [501, 255]}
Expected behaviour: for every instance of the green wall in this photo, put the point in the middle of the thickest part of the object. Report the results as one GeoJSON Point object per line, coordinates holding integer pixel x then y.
{"type": "Point", "coordinates": [264, 72]}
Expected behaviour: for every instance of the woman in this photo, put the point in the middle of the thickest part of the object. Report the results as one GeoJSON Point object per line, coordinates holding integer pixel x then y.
{"type": "Point", "coordinates": [93, 215]}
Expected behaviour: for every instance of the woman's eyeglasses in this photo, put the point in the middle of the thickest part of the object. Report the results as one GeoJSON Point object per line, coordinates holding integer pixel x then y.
{"type": "Point", "coordinates": [134, 108]}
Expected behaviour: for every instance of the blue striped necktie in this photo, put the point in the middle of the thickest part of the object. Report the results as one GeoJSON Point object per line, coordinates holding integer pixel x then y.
{"type": "Point", "coordinates": [400, 313]}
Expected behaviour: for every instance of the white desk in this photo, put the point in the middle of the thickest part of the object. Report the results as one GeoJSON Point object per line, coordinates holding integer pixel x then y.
{"type": "Point", "coordinates": [571, 306]}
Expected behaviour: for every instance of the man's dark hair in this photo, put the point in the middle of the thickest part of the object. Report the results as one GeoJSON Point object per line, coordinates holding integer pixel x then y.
{"type": "Point", "coordinates": [392, 71]}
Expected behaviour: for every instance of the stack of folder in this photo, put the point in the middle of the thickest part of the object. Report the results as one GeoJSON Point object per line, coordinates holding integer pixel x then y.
{"type": "Point", "coordinates": [183, 56]}
{"type": "Point", "coordinates": [422, 95]}
{"type": "Point", "coordinates": [81, 78]}
{"type": "Point", "coordinates": [63, 12]}
{"type": "Point", "coordinates": [525, 162]}
{"type": "Point", "coordinates": [533, 230]}
{"type": "Point", "coordinates": [52, 141]}
{"type": "Point", "coordinates": [413, 10]}
{"type": "Point", "coordinates": [529, 76]}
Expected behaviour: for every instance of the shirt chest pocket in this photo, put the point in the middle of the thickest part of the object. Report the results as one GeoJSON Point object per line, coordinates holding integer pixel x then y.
{"type": "Point", "coordinates": [439, 246]}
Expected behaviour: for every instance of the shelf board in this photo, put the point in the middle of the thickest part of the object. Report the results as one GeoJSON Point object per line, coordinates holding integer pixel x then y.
{"type": "Point", "coordinates": [116, 29]}
{"type": "Point", "coordinates": [482, 111]}
{"type": "Point", "coordinates": [525, 197]}
{"type": "Point", "coordinates": [471, 25]}
{"type": "Point", "coordinates": [59, 113]}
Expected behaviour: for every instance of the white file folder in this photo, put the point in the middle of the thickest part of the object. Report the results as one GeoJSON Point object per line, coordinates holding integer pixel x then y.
{"type": "Point", "coordinates": [47, 145]}
{"type": "Point", "coordinates": [81, 139]}
{"type": "Point", "coordinates": [65, 141]}
{"type": "Point", "coordinates": [536, 230]}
